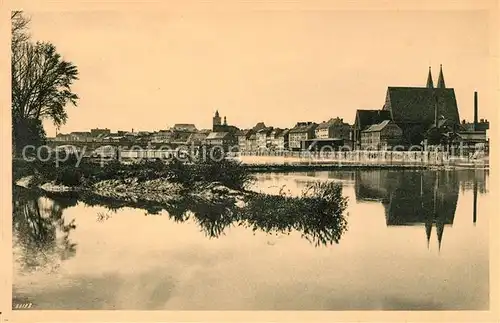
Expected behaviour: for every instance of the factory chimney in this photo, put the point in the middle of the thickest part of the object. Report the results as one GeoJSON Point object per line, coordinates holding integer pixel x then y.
{"type": "Point", "coordinates": [475, 111]}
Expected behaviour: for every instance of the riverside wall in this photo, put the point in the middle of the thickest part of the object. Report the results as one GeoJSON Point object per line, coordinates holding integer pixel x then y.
{"type": "Point", "coordinates": [383, 159]}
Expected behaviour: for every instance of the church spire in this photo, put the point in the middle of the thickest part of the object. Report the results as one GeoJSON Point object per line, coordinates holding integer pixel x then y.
{"type": "Point", "coordinates": [430, 83]}
{"type": "Point", "coordinates": [216, 120]}
{"type": "Point", "coordinates": [441, 84]}
{"type": "Point", "coordinates": [428, 231]}
{"type": "Point", "coordinates": [440, 231]}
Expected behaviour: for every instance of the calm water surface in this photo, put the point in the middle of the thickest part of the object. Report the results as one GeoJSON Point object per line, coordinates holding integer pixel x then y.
{"type": "Point", "coordinates": [414, 240]}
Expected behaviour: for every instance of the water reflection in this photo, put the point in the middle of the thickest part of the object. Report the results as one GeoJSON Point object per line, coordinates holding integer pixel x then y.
{"type": "Point", "coordinates": [39, 229]}
{"type": "Point", "coordinates": [318, 214]}
{"type": "Point", "coordinates": [131, 261]}
{"type": "Point", "coordinates": [419, 198]}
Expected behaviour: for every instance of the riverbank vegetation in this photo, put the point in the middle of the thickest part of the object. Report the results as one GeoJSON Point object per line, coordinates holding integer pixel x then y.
{"type": "Point", "coordinates": [86, 173]}
{"type": "Point", "coordinates": [317, 214]}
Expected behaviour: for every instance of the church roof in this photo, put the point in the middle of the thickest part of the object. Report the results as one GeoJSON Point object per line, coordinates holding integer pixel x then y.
{"type": "Point", "coordinates": [417, 104]}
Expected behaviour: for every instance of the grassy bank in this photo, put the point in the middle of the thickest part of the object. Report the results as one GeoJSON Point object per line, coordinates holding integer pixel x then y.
{"type": "Point", "coordinates": [71, 174]}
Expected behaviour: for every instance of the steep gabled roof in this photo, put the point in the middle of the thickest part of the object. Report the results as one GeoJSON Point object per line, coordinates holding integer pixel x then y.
{"type": "Point", "coordinates": [303, 127]}
{"type": "Point", "coordinates": [243, 132]}
{"type": "Point", "coordinates": [184, 126]}
{"type": "Point", "coordinates": [246, 133]}
{"type": "Point", "coordinates": [366, 118]}
{"type": "Point", "coordinates": [197, 137]}
{"type": "Point", "coordinates": [377, 127]}
{"type": "Point", "coordinates": [258, 126]}
{"type": "Point", "coordinates": [417, 104]}
{"type": "Point", "coordinates": [276, 132]}
{"type": "Point", "coordinates": [330, 122]}
{"type": "Point", "coordinates": [265, 131]}
{"type": "Point", "coordinates": [181, 136]}
{"type": "Point", "coordinates": [217, 135]}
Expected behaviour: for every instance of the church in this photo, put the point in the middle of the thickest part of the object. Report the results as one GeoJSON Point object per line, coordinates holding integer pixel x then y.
{"type": "Point", "coordinates": [413, 109]}
{"type": "Point", "coordinates": [222, 135]}
{"type": "Point", "coordinates": [217, 126]}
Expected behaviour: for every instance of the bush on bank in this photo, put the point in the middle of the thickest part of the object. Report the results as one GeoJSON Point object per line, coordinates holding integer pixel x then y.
{"type": "Point", "coordinates": [226, 172]}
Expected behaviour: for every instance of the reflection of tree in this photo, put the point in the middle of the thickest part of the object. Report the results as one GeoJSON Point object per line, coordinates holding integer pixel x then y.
{"type": "Point", "coordinates": [318, 214]}
{"type": "Point", "coordinates": [35, 228]}
{"type": "Point", "coordinates": [213, 215]}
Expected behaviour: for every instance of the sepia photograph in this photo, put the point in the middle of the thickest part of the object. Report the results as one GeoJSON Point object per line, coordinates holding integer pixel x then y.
{"type": "Point", "coordinates": [252, 156]}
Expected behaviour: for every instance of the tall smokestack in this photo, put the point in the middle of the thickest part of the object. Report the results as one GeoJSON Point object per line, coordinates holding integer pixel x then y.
{"type": "Point", "coordinates": [475, 110]}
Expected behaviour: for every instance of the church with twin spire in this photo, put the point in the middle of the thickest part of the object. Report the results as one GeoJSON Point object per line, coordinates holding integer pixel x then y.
{"type": "Point", "coordinates": [440, 84]}
{"type": "Point", "coordinates": [414, 110]}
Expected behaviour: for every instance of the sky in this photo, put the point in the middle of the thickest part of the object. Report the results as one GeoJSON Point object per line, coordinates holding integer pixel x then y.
{"type": "Point", "coordinates": [147, 70]}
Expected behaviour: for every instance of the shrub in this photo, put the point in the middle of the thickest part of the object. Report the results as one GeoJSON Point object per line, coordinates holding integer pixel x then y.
{"type": "Point", "coordinates": [181, 173]}
{"type": "Point", "coordinates": [21, 168]}
{"type": "Point", "coordinates": [229, 173]}
{"type": "Point", "coordinates": [68, 176]}
{"type": "Point", "coordinates": [318, 213]}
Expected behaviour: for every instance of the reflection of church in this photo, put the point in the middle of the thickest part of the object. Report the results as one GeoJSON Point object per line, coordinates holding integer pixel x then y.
{"type": "Point", "coordinates": [413, 198]}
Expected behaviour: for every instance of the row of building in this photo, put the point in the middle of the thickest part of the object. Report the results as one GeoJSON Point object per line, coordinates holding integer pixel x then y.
{"type": "Point", "coordinates": [409, 116]}
{"type": "Point", "coordinates": [178, 134]}
{"type": "Point", "coordinates": [302, 136]}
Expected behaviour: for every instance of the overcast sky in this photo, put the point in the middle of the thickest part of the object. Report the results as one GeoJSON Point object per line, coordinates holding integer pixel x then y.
{"type": "Point", "coordinates": [150, 69]}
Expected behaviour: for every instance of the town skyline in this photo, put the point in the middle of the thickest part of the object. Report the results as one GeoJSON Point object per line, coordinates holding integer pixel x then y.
{"type": "Point", "coordinates": [278, 67]}
{"type": "Point", "coordinates": [224, 155]}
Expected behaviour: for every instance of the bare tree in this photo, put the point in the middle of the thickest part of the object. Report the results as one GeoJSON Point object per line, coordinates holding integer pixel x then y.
{"type": "Point", "coordinates": [19, 28]}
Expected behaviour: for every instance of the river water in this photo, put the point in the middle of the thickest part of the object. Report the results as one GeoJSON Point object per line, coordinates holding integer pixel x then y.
{"type": "Point", "coordinates": [415, 240]}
